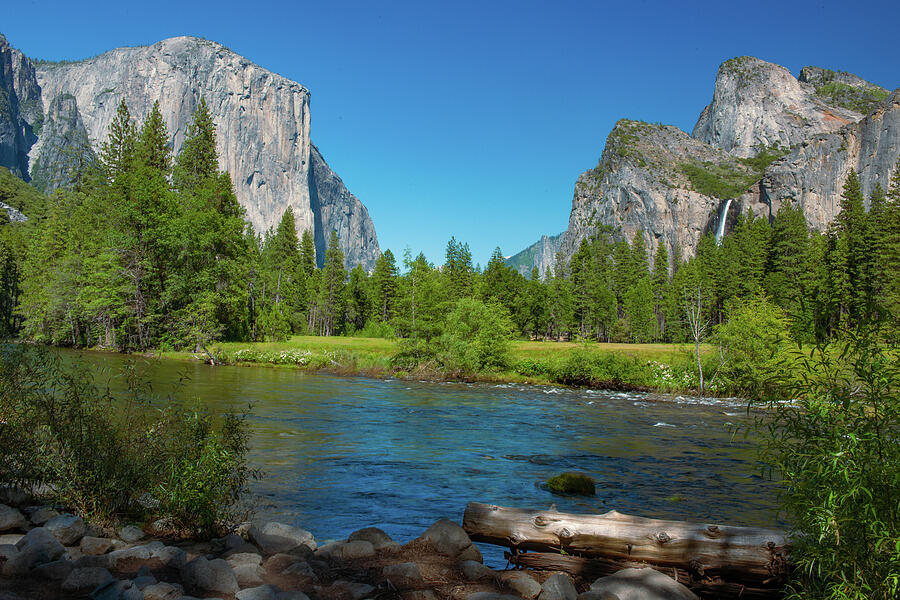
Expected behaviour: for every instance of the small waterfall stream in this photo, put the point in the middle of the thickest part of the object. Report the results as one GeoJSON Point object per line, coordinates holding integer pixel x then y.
{"type": "Point", "coordinates": [723, 215]}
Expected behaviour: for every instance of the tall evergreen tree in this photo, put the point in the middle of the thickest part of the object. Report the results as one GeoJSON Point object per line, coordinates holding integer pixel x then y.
{"type": "Point", "coordinates": [331, 287]}
{"type": "Point", "coordinates": [384, 286]}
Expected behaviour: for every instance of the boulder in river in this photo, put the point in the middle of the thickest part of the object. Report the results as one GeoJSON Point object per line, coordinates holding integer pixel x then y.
{"type": "Point", "coordinates": [642, 584]}
{"type": "Point", "coordinates": [273, 537]}
{"type": "Point", "coordinates": [446, 537]}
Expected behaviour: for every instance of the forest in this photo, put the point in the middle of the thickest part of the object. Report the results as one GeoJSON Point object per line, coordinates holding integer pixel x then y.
{"type": "Point", "coordinates": [143, 250]}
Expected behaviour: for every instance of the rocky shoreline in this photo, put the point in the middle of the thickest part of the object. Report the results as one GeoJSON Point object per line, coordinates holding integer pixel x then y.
{"type": "Point", "coordinates": [50, 554]}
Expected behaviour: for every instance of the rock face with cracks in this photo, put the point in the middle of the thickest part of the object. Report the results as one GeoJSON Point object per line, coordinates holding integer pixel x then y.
{"type": "Point", "coordinates": [766, 136]}
{"type": "Point", "coordinates": [49, 110]}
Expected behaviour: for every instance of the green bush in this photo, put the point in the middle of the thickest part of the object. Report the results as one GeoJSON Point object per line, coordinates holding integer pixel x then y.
{"type": "Point", "coordinates": [476, 337]}
{"type": "Point", "coordinates": [117, 457]}
{"type": "Point", "coordinates": [377, 329]}
{"type": "Point", "coordinates": [752, 343]}
{"type": "Point", "coordinates": [836, 449]}
{"type": "Point", "coordinates": [572, 483]}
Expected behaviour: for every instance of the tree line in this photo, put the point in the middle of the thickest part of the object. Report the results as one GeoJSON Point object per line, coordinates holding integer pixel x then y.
{"type": "Point", "coordinates": [146, 250]}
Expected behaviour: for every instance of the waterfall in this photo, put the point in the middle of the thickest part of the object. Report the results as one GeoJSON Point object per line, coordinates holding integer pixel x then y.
{"type": "Point", "coordinates": [723, 215]}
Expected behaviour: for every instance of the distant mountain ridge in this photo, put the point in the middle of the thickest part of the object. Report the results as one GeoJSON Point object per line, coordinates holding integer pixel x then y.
{"type": "Point", "coordinates": [766, 136]}
{"type": "Point", "coordinates": [262, 121]}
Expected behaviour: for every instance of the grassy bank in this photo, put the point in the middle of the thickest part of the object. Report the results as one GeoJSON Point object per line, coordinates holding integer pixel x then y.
{"type": "Point", "coordinates": [663, 367]}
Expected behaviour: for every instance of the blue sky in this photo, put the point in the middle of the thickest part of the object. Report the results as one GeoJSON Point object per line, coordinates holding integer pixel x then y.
{"type": "Point", "coordinates": [473, 119]}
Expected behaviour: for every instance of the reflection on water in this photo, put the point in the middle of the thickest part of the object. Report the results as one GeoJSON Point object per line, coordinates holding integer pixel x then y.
{"type": "Point", "coordinates": [343, 453]}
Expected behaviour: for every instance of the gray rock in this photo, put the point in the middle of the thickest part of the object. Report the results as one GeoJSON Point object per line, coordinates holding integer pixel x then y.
{"type": "Point", "coordinates": [471, 553]}
{"type": "Point", "coordinates": [142, 581]}
{"type": "Point", "coordinates": [131, 534]}
{"type": "Point", "coordinates": [522, 584]}
{"type": "Point", "coordinates": [20, 90]}
{"type": "Point", "coordinates": [475, 571]}
{"type": "Point", "coordinates": [13, 563]}
{"type": "Point", "coordinates": [490, 596]}
{"type": "Point", "coordinates": [10, 518]}
{"type": "Point", "coordinates": [404, 575]}
{"type": "Point", "coordinates": [642, 584]}
{"type": "Point", "coordinates": [418, 595]}
{"type": "Point", "coordinates": [11, 538]}
{"type": "Point", "coordinates": [263, 592]}
{"type": "Point", "coordinates": [248, 574]}
{"type": "Point", "coordinates": [95, 546]}
{"type": "Point", "coordinates": [86, 579]}
{"type": "Point", "coordinates": [759, 104]}
{"type": "Point", "coordinates": [447, 537]}
{"type": "Point", "coordinates": [56, 570]}
{"type": "Point", "coordinates": [812, 176]}
{"type": "Point", "coordinates": [378, 538]}
{"type": "Point", "coordinates": [595, 595]}
{"type": "Point", "coordinates": [355, 550]}
{"type": "Point", "coordinates": [43, 514]}
{"type": "Point", "coordinates": [273, 537]}
{"type": "Point", "coordinates": [329, 550]}
{"type": "Point", "coordinates": [235, 544]}
{"type": "Point", "coordinates": [301, 569]}
{"type": "Point", "coordinates": [291, 596]}
{"type": "Point", "coordinates": [40, 546]}
{"type": "Point", "coordinates": [353, 589]}
{"type": "Point", "coordinates": [162, 591]}
{"type": "Point", "coordinates": [68, 529]}
{"type": "Point", "coordinates": [279, 562]}
{"type": "Point", "coordinates": [558, 587]}
{"type": "Point", "coordinates": [169, 556]}
{"type": "Point", "coordinates": [264, 136]}
{"type": "Point", "coordinates": [209, 576]}
{"type": "Point", "coordinates": [117, 590]}
{"type": "Point", "coordinates": [241, 558]}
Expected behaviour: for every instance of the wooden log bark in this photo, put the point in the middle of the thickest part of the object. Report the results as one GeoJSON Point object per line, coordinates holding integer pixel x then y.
{"type": "Point", "coordinates": [589, 569]}
{"type": "Point", "coordinates": [745, 555]}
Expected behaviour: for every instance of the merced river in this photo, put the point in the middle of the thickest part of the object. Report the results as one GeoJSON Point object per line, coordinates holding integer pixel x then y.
{"type": "Point", "coordinates": [342, 453]}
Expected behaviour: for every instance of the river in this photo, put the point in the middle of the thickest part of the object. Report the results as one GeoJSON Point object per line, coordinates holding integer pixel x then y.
{"type": "Point", "coordinates": [341, 453]}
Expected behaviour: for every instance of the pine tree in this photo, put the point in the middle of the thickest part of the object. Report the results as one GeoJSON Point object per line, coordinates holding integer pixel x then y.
{"type": "Point", "coordinates": [118, 150]}
{"type": "Point", "coordinates": [198, 161]}
{"type": "Point", "coordinates": [660, 287]}
{"type": "Point", "coordinates": [357, 306]}
{"type": "Point", "coordinates": [384, 287]}
{"type": "Point", "coordinates": [331, 287]}
{"type": "Point", "coordinates": [458, 272]}
{"type": "Point", "coordinates": [789, 273]}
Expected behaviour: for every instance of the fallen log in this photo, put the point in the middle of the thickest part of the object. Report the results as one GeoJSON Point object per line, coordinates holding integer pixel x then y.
{"type": "Point", "coordinates": [589, 569]}
{"type": "Point", "coordinates": [752, 556]}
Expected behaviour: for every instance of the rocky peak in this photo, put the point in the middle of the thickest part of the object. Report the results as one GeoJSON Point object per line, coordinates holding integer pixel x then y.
{"type": "Point", "coordinates": [658, 180]}
{"type": "Point", "coordinates": [814, 173]}
{"type": "Point", "coordinates": [63, 148]}
{"type": "Point", "coordinates": [839, 88]}
{"type": "Point", "coordinates": [20, 109]}
{"type": "Point", "coordinates": [262, 128]}
{"type": "Point", "coordinates": [758, 105]}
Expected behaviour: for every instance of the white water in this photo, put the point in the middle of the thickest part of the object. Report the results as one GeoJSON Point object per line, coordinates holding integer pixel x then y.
{"type": "Point", "coordinates": [723, 215]}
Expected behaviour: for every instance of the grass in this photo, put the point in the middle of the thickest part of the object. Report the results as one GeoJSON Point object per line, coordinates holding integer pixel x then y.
{"type": "Point", "coordinates": [664, 367]}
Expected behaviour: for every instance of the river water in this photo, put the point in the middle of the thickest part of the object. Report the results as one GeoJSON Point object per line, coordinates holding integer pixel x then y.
{"type": "Point", "coordinates": [341, 453]}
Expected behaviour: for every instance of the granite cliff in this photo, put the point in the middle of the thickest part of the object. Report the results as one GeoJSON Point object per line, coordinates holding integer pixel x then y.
{"type": "Point", "coordinates": [20, 109]}
{"type": "Point", "coordinates": [765, 136]}
{"type": "Point", "coordinates": [262, 126]}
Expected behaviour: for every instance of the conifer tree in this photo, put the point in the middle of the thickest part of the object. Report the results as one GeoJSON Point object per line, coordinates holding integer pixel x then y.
{"type": "Point", "coordinates": [384, 286]}
{"type": "Point", "coordinates": [331, 287]}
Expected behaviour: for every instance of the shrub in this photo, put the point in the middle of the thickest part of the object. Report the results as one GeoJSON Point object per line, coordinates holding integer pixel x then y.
{"type": "Point", "coordinates": [752, 342]}
{"type": "Point", "coordinates": [572, 483]}
{"type": "Point", "coordinates": [377, 329]}
{"type": "Point", "coordinates": [117, 457]}
{"type": "Point", "coordinates": [836, 448]}
{"type": "Point", "coordinates": [476, 337]}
